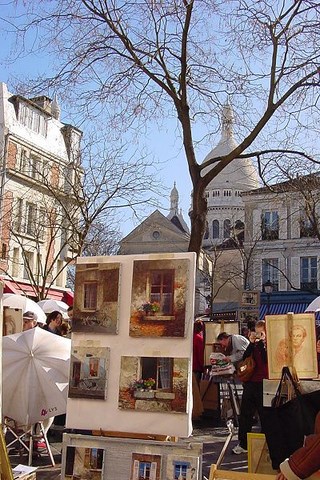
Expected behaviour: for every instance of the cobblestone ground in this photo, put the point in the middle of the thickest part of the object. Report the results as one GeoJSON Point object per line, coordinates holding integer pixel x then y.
{"type": "Point", "coordinates": [213, 439]}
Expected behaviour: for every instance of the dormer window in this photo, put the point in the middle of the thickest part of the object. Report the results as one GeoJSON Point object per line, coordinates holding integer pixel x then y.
{"type": "Point", "coordinates": [32, 118]}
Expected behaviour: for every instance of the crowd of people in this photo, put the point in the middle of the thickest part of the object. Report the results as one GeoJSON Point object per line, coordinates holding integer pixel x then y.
{"type": "Point", "coordinates": [54, 322]}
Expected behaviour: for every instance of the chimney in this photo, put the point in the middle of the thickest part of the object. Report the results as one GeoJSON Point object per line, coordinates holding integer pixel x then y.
{"type": "Point", "coordinates": [42, 102]}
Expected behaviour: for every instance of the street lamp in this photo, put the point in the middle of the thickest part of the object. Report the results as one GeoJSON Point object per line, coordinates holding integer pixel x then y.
{"type": "Point", "coordinates": [268, 287]}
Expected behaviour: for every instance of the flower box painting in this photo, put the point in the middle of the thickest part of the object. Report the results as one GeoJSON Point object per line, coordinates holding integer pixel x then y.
{"type": "Point", "coordinates": [84, 463]}
{"type": "Point", "coordinates": [159, 297]}
{"type": "Point", "coordinates": [89, 368]}
{"type": "Point", "coordinates": [96, 299]}
{"type": "Point", "coordinates": [292, 342]}
{"type": "Point", "coordinates": [154, 384]}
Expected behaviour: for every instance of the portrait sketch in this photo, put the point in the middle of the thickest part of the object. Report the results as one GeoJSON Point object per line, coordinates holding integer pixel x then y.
{"type": "Point", "coordinates": [89, 367]}
{"type": "Point", "coordinates": [291, 341]}
{"type": "Point", "coordinates": [12, 320]}
{"type": "Point", "coordinates": [96, 298]}
{"type": "Point", "coordinates": [84, 463]}
{"type": "Point", "coordinates": [159, 295]}
{"type": "Point", "coordinates": [154, 384]}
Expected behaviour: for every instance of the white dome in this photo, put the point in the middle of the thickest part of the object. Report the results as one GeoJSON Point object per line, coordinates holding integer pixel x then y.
{"type": "Point", "coordinates": [240, 174]}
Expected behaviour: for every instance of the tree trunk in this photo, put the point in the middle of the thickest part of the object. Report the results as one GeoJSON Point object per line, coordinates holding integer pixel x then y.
{"type": "Point", "coordinates": [198, 217]}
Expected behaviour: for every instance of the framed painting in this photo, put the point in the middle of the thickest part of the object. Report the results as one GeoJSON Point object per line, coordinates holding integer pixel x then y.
{"type": "Point", "coordinates": [292, 342]}
{"type": "Point", "coordinates": [89, 368]}
{"type": "Point", "coordinates": [250, 298]}
{"type": "Point", "coordinates": [154, 384]}
{"type": "Point", "coordinates": [216, 474]}
{"type": "Point", "coordinates": [159, 298]}
{"type": "Point", "coordinates": [12, 320]}
{"type": "Point", "coordinates": [259, 460]}
{"type": "Point", "coordinates": [96, 297]}
{"type": "Point", "coordinates": [83, 463]}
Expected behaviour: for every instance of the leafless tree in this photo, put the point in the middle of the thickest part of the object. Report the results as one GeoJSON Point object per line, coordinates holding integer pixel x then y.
{"type": "Point", "coordinates": [155, 59]}
{"type": "Point", "coordinates": [76, 216]}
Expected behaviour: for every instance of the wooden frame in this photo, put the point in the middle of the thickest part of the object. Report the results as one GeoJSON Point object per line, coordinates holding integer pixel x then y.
{"type": "Point", "coordinates": [232, 475]}
{"type": "Point", "coordinates": [292, 342]}
{"type": "Point", "coordinates": [258, 454]}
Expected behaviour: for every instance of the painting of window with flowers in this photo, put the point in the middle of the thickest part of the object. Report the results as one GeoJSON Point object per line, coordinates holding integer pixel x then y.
{"type": "Point", "coordinates": [159, 297]}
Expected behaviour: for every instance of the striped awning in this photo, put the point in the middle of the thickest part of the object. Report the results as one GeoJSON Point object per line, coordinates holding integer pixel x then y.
{"type": "Point", "coordinates": [281, 308]}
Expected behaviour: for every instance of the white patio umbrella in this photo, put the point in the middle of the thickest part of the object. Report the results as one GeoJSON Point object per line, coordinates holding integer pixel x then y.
{"type": "Point", "coordinates": [25, 304]}
{"type": "Point", "coordinates": [35, 375]}
{"type": "Point", "coordinates": [50, 305]}
{"type": "Point", "coordinates": [314, 306]}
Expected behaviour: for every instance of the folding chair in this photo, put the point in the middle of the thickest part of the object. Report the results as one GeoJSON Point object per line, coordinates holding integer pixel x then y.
{"type": "Point", "coordinates": [25, 436]}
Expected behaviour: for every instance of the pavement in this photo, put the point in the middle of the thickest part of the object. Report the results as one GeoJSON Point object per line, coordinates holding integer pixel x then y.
{"type": "Point", "coordinates": [206, 431]}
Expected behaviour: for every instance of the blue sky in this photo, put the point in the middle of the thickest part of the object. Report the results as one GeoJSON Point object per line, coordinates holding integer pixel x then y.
{"type": "Point", "coordinates": [163, 144]}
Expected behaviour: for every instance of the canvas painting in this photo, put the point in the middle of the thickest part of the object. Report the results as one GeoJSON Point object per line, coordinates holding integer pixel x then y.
{"type": "Point", "coordinates": [89, 368]}
{"type": "Point", "coordinates": [250, 298]}
{"type": "Point", "coordinates": [96, 298]}
{"type": "Point", "coordinates": [145, 466]}
{"type": "Point", "coordinates": [248, 316]}
{"type": "Point", "coordinates": [158, 298]}
{"type": "Point", "coordinates": [154, 384]}
{"type": "Point", "coordinates": [12, 320]}
{"type": "Point", "coordinates": [292, 342]}
{"type": "Point", "coordinates": [84, 463]}
{"type": "Point", "coordinates": [182, 467]}
{"type": "Point", "coordinates": [259, 460]}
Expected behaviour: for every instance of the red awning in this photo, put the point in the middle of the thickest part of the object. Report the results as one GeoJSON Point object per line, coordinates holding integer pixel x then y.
{"type": "Point", "coordinates": [20, 288]}
{"type": "Point", "coordinates": [68, 298]}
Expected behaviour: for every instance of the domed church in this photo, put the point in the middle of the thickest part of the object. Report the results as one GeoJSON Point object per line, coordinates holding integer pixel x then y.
{"type": "Point", "coordinates": [225, 206]}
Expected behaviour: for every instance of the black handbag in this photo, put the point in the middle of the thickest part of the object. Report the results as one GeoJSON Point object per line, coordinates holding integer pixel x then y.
{"type": "Point", "coordinates": [286, 426]}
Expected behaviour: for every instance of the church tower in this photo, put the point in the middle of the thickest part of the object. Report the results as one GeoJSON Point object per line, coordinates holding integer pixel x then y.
{"type": "Point", "coordinates": [225, 205]}
{"type": "Point", "coordinates": [175, 215]}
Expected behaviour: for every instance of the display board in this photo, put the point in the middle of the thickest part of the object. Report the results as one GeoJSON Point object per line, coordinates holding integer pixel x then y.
{"type": "Point", "coordinates": [132, 344]}
{"type": "Point", "coordinates": [102, 458]}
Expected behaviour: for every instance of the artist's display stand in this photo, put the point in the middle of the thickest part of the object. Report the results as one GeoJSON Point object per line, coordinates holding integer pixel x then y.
{"type": "Point", "coordinates": [22, 439]}
{"type": "Point", "coordinates": [229, 396]}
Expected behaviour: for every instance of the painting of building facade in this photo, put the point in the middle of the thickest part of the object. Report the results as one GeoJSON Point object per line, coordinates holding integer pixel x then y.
{"type": "Point", "coordinates": [154, 384]}
{"type": "Point", "coordinates": [96, 305]}
{"type": "Point", "coordinates": [84, 463]}
{"type": "Point", "coordinates": [158, 298]}
{"type": "Point", "coordinates": [89, 368]}
{"type": "Point", "coordinates": [180, 467]}
{"type": "Point", "coordinates": [292, 342]}
{"type": "Point", "coordinates": [145, 467]}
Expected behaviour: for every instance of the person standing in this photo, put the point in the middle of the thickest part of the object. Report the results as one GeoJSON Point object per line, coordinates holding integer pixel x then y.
{"type": "Point", "coordinates": [198, 349]}
{"type": "Point", "coordinates": [53, 322]}
{"type": "Point", "coordinates": [29, 321]}
{"type": "Point", "coordinates": [252, 396]}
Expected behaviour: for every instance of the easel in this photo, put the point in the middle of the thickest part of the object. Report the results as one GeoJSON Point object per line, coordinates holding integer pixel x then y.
{"type": "Point", "coordinates": [5, 467]}
{"type": "Point", "coordinates": [227, 392]}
